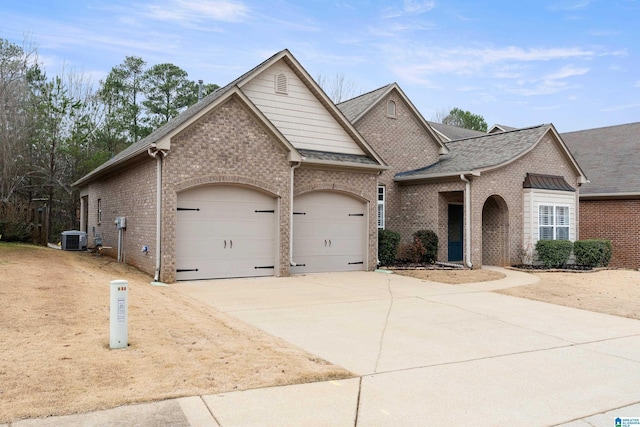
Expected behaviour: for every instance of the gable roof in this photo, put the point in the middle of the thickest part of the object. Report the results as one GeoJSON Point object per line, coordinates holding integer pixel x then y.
{"type": "Point", "coordinates": [450, 133]}
{"type": "Point", "coordinates": [160, 138]}
{"type": "Point", "coordinates": [356, 108]}
{"type": "Point", "coordinates": [609, 155]}
{"type": "Point", "coordinates": [500, 128]}
{"type": "Point", "coordinates": [486, 152]}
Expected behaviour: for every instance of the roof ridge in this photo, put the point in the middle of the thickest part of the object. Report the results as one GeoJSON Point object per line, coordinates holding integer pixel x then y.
{"type": "Point", "coordinates": [365, 94]}
{"type": "Point", "coordinates": [603, 127]}
{"type": "Point", "coordinates": [500, 133]}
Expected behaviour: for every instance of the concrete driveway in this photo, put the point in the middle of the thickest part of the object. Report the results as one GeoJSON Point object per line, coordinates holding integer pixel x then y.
{"type": "Point", "coordinates": [431, 354]}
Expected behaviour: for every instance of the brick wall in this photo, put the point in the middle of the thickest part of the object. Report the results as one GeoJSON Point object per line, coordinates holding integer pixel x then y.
{"type": "Point", "coordinates": [404, 144]}
{"type": "Point", "coordinates": [130, 193]}
{"type": "Point", "coordinates": [615, 220]}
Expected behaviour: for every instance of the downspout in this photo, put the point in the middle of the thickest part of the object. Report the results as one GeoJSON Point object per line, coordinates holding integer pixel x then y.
{"type": "Point", "coordinates": [467, 220]}
{"type": "Point", "coordinates": [291, 262]}
{"type": "Point", "coordinates": [153, 152]}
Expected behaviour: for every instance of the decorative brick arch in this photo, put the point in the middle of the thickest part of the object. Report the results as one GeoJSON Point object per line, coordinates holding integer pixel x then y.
{"type": "Point", "coordinates": [330, 186]}
{"type": "Point", "coordinates": [226, 180]}
{"type": "Point", "coordinates": [495, 231]}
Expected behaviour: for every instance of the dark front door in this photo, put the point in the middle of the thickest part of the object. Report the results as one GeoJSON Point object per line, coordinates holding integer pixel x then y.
{"type": "Point", "coordinates": [455, 233]}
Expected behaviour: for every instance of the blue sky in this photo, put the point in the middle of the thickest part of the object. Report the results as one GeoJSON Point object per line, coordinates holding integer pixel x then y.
{"type": "Point", "coordinates": [574, 63]}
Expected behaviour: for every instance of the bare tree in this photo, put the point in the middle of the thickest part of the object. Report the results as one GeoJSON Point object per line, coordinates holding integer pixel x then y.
{"type": "Point", "coordinates": [15, 118]}
{"type": "Point", "coordinates": [440, 115]}
{"type": "Point", "coordinates": [339, 89]}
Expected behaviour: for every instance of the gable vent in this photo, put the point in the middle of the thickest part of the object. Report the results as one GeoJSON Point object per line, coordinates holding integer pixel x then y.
{"type": "Point", "coordinates": [281, 83]}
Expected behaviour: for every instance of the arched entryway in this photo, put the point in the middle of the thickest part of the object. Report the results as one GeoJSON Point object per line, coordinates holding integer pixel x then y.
{"type": "Point", "coordinates": [495, 231]}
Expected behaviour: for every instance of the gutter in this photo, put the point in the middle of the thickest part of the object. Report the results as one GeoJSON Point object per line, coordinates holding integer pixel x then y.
{"type": "Point", "coordinates": [153, 152]}
{"type": "Point", "coordinates": [467, 220]}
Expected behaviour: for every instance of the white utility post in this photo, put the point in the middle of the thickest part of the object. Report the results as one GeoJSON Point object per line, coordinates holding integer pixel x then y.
{"type": "Point", "coordinates": [119, 314]}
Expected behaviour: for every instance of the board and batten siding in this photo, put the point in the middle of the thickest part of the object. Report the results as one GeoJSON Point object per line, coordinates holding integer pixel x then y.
{"type": "Point", "coordinates": [533, 198]}
{"type": "Point", "coordinates": [298, 114]}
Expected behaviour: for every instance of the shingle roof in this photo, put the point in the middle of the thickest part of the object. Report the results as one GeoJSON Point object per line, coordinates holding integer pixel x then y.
{"type": "Point", "coordinates": [609, 156]}
{"type": "Point", "coordinates": [354, 107]}
{"type": "Point", "coordinates": [481, 152]}
{"type": "Point", "coordinates": [500, 128]}
{"type": "Point", "coordinates": [337, 157]}
{"type": "Point", "coordinates": [140, 147]}
{"type": "Point", "coordinates": [454, 132]}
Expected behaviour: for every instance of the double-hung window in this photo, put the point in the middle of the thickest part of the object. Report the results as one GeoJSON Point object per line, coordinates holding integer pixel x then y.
{"type": "Point", "coordinates": [381, 197]}
{"type": "Point", "coordinates": [553, 222]}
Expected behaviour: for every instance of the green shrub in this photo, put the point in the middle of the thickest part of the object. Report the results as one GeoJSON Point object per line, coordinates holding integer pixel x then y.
{"type": "Point", "coordinates": [554, 253]}
{"type": "Point", "coordinates": [426, 242]}
{"type": "Point", "coordinates": [14, 231]}
{"type": "Point", "coordinates": [388, 243]}
{"type": "Point", "coordinates": [593, 252]}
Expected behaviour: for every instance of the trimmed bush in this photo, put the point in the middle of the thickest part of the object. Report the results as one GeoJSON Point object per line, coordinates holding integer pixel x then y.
{"type": "Point", "coordinates": [593, 252]}
{"type": "Point", "coordinates": [426, 241]}
{"type": "Point", "coordinates": [554, 253]}
{"type": "Point", "coordinates": [388, 243]}
{"type": "Point", "coordinates": [409, 253]}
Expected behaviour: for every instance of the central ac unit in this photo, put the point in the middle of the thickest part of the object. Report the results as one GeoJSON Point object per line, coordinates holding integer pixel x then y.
{"type": "Point", "coordinates": [74, 240]}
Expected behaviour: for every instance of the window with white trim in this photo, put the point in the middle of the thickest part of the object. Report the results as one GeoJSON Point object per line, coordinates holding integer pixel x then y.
{"type": "Point", "coordinates": [381, 197]}
{"type": "Point", "coordinates": [553, 222]}
{"type": "Point", "coordinates": [99, 211]}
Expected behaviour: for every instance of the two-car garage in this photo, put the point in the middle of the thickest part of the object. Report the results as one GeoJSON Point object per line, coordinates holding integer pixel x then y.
{"type": "Point", "coordinates": [226, 231]}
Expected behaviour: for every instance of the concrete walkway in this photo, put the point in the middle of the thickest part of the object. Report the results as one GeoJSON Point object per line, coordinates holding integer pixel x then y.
{"type": "Point", "coordinates": [424, 354]}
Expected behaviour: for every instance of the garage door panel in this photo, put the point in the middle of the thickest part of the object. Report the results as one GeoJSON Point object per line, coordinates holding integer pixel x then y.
{"type": "Point", "coordinates": [225, 231]}
{"type": "Point", "coordinates": [328, 232]}
{"type": "Point", "coordinates": [214, 229]}
{"type": "Point", "coordinates": [335, 263]}
{"type": "Point", "coordinates": [228, 268]}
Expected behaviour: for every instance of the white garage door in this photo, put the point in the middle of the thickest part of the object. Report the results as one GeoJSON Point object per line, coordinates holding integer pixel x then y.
{"type": "Point", "coordinates": [225, 231]}
{"type": "Point", "coordinates": [329, 232]}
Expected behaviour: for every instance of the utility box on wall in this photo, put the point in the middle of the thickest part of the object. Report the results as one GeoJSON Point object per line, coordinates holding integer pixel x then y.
{"type": "Point", "coordinates": [121, 222]}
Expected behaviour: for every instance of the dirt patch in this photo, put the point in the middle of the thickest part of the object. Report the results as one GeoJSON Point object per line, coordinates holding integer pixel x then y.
{"type": "Point", "coordinates": [453, 277]}
{"type": "Point", "coordinates": [614, 292]}
{"type": "Point", "coordinates": [54, 340]}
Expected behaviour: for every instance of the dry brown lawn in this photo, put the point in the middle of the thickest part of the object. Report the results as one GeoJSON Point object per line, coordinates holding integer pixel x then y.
{"type": "Point", "coordinates": [453, 277]}
{"type": "Point", "coordinates": [54, 340]}
{"type": "Point", "coordinates": [614, 292]}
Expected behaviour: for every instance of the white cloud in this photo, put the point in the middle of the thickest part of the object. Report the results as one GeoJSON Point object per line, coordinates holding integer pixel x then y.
{"type": "Point", "coordinates": [570, 5]}
{"type": "Point", "coordinates": [637, 84]}
{"type": "Point", "coordinates": [190, 12]}
{"type": "Point", "coordinates": [620, 107]}
{"type": "Point", "coordinates": [566, 72]}
{"type": "Point", "coordinates": [507, 62]}
{"type": "Point", "coordinates": [409, 7]}
{"type": "Point", "coordinates": [415, 7]}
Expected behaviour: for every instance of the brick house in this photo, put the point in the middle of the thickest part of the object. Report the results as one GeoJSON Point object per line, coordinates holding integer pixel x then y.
{"type": "Point", "coordinates": [265, 176]}
{"type": "Point", "coordinates": [488, 197]}
{"type": "Point", "coordinates": [610, 202]}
